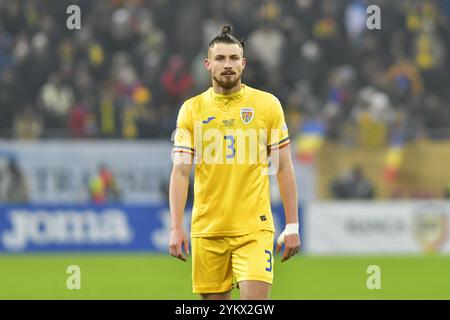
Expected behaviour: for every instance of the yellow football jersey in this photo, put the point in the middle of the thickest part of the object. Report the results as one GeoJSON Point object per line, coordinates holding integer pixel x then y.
{"type": "Point", "coordinates": [230, 137]}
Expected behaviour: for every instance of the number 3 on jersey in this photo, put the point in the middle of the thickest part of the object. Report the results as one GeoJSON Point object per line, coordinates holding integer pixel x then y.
{"type": "Point", "coordinates": [269, 260]}
{"type": "Point", "coordinates": [230, 147]}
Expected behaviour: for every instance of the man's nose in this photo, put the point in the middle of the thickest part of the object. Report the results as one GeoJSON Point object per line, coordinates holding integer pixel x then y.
{"type": "Point", "coordinates": [227, 64]}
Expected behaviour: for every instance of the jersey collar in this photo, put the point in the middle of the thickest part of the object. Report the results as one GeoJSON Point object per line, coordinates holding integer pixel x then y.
{"type": "Point", "coordinates": [226, 98]}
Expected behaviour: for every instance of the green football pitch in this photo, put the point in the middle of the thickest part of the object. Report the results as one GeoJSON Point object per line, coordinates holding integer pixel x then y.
{"type": "Point", "coordinates": [146, 276]}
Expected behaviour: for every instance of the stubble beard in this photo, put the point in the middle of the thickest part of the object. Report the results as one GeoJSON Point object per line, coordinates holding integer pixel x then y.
{"type": "Point", "coordinates": [227, 84]}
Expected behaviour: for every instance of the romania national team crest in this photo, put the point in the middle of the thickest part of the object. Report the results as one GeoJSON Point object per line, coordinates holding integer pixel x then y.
{"type": "Point", "coordinates": [247, 115]}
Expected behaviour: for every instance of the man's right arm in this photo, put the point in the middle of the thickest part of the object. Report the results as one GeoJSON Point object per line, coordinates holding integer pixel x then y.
{"type": "Point", "coordinates": [178, 192]}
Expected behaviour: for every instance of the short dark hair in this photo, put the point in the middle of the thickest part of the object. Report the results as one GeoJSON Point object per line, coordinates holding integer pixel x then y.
{"type": "Point", "coordinates": [226, 37]}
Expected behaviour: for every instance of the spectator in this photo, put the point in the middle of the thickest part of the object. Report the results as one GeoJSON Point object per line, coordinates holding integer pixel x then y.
{"type": "Point", "coordinates": [27, 124]}
{"type": "Point", "coordinates": [13, 185]}
{"type": "Point", "coordinates": [176, 79]}
{"type": "Point", "coordinates": [352, 185]}
{"type": "Point", "coordinates": [103, 187]}
{"type": "Point", "coordinates": [56, 99]}
{"type": "Point", "coordinates": [266, 45]}
{"type": "Point", "coordinates": [214, 23]}
{"type": "Point", "coordinates": [355, 21]}
{"type": "Point", "coordinates": [9, 96]}
{"type": "Point", "coordinates": [404, 78]}
{"type": "Point", "coordinates": [81, 120]}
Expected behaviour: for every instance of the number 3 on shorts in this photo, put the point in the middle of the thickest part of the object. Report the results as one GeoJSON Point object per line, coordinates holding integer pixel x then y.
{"type": "Point", "coordinates": [269, 268]}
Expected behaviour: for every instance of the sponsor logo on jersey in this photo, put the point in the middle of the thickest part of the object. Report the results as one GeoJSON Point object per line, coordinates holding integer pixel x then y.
{"type": "Point", "coordinates": [208, 120]}
{"type": "Point", "coordinates": [228, 122]}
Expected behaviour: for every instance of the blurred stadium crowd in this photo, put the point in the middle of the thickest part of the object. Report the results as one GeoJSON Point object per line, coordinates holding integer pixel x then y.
{"type": "Point", "coordinates": [127, 71]}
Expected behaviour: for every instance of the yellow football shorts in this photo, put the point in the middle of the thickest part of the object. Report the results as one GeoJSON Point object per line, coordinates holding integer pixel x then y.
{"type": "Point", "coordinates": [219, 262]}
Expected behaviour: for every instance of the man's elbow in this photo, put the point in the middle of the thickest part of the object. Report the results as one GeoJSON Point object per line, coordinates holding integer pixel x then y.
{"type": "Point", "coordinates": [182, 170]}
{"type": "Point", "coordinates": [285, 167]}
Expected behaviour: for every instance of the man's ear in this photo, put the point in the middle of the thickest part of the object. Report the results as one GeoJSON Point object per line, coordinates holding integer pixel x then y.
{"type": "Point", "coordinates": [244, 63]}
{"type": "Point", "coordinates": [207, 64]}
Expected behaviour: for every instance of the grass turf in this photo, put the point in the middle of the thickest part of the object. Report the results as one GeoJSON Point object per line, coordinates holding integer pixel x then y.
{"type": "Point", "coordinates": [146, 276]}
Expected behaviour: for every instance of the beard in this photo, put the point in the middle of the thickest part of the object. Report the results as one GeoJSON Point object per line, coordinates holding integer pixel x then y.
{"type": "Point", "coordinates": [227, 82]}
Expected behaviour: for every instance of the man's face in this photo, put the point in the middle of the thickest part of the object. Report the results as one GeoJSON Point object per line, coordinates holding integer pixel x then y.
{"type": "Point", "coordinates": [225, 62]}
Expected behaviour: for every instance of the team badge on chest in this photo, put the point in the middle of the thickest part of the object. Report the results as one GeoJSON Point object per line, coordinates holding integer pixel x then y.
{"type": "Point", "coordinates": [247, 115]}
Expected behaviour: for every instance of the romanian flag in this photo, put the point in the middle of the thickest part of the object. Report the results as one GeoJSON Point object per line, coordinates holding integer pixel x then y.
{"type": "Point", "coordinates": [309, 140]}
{"type": "Point", "coordinates": [394, 157]}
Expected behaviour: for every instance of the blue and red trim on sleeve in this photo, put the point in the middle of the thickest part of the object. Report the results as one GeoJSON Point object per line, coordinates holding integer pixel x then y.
{"type": "Point", "coordinates": [183, 149]}
{"type": "Point", "coordinates": [280, 144]}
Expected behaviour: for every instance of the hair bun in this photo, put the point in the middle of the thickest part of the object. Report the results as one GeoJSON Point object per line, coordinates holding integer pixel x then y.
{"type": "Point", "coordinates": [226, 29]}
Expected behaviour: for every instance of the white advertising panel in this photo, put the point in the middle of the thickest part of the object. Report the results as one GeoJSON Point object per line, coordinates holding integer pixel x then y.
{"type": "Point", "coordinates": [59, 171]}
{"type": "Point", "coordinates": [409, 227]}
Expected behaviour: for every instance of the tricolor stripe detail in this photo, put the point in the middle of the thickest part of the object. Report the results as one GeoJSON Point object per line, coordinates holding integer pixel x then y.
{"type": "Point", "coordinates": [183, 149]}
{"type": "Point", "coordinates": [280, 144]}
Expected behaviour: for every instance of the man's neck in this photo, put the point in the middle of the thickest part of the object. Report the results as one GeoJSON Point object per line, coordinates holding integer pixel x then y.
{"type": "Point", "coordinates": [219, 90]}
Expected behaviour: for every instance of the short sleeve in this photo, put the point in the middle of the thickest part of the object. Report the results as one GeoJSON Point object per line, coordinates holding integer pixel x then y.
{"type": "Point", "coordinates": [278, 131]}
{"type": "Point", "coordinates": [184, 135]}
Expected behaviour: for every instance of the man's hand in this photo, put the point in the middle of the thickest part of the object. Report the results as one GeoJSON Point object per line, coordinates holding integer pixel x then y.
{"type": "Point", "coordinates": [178, 238]}
{"type": "Point", "coordinates": [291, 245]}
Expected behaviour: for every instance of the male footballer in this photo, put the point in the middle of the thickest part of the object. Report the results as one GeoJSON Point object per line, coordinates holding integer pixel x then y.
{"type": "Point", "coordinates": [235, 135]}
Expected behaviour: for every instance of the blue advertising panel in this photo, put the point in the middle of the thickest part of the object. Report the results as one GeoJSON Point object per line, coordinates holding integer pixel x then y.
{"type": "Point", "coordinates": [62, 228]}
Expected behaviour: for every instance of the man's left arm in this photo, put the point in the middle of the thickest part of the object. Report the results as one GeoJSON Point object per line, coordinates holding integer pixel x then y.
{"type": "Point", "coordinates": [288, 191]}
